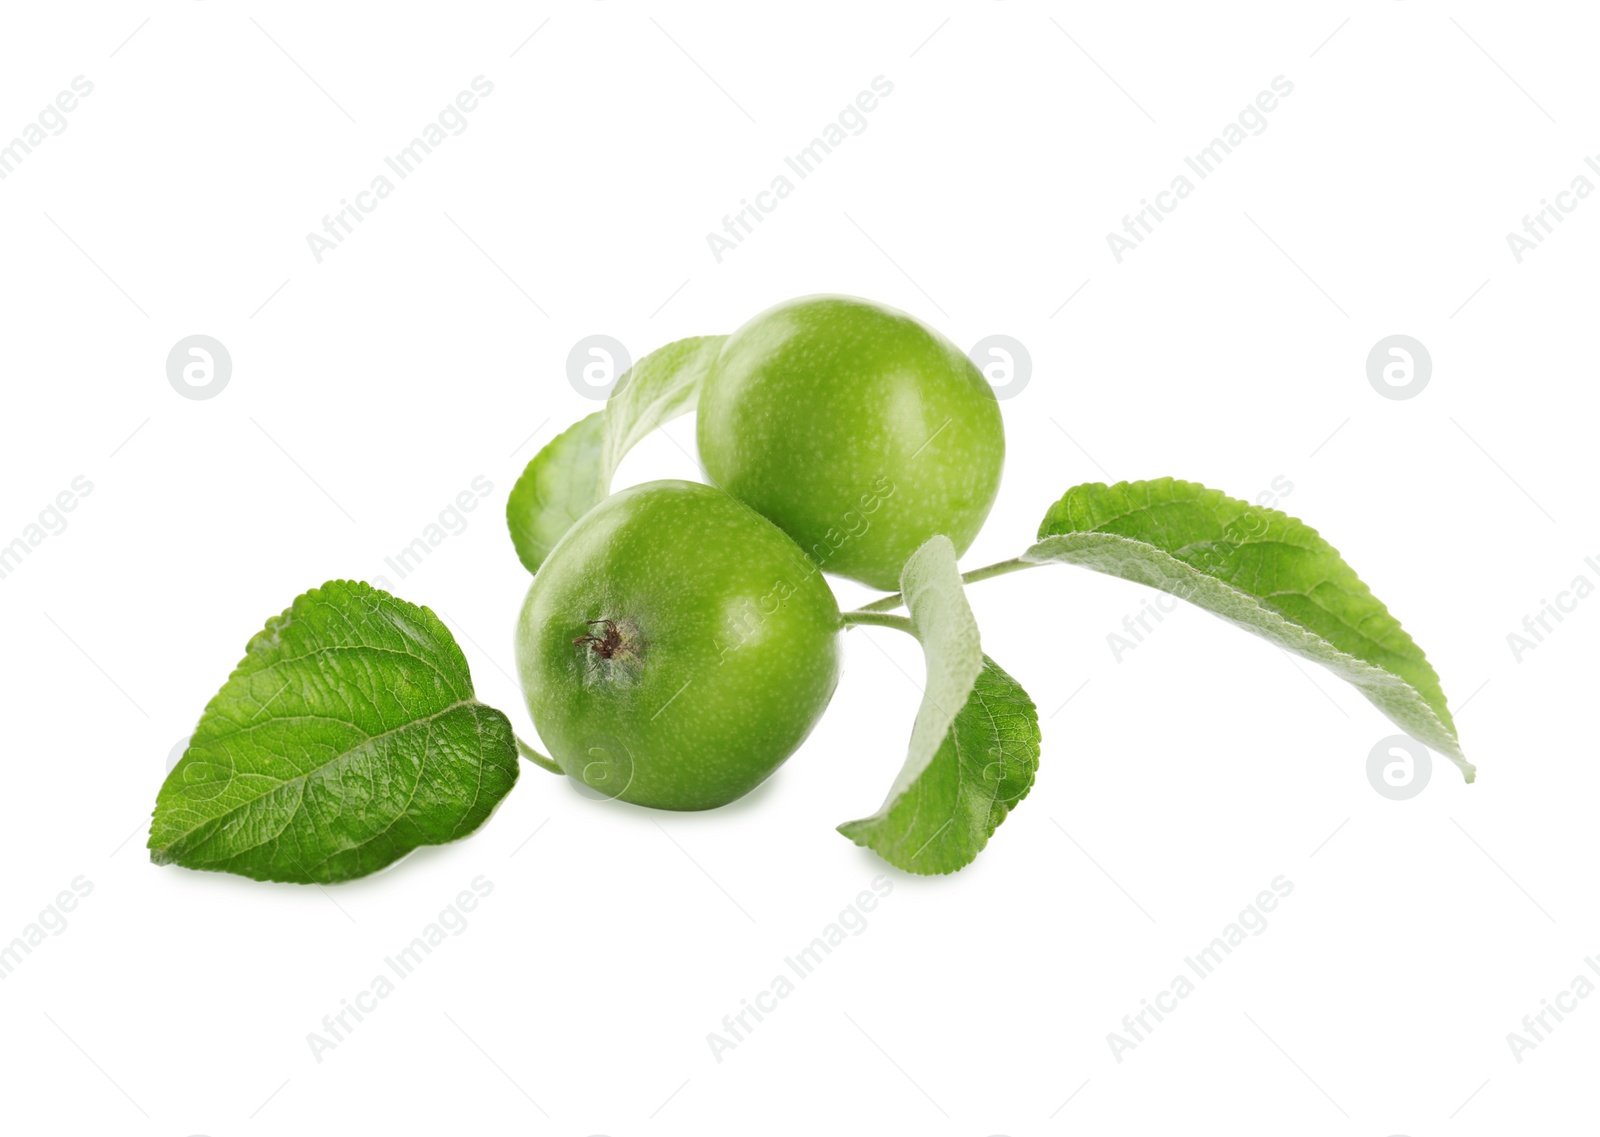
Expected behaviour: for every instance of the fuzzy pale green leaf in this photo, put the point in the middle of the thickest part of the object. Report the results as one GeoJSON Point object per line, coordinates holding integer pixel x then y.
{"type": "Point", "coordinates": [982, 768]}
{"type": "Point", "coordinates": [660, 387]}
{"type": "Point", "coordinates": [573, 473]}
{"type": "Point", "coordinates": [1262, 570]}
{"type": "Point", "coordinates": [560, 485]}
{"type": "Point", "coordinates": [975, 741]}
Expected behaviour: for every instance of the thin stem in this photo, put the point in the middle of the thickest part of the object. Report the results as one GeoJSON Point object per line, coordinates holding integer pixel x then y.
{"type": "Point", "coordinates": [880, 619]}
{"type": "Point", "coordinates": [1000, 568]}
{"type": "Point", "coordinates": [536, 758]}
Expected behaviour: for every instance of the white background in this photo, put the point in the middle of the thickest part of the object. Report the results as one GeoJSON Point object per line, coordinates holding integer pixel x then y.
{"type": "Point", "coordinates": [430, 347]}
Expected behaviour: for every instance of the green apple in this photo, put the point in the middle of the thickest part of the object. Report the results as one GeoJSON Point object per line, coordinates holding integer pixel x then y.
{"type": "Point", "coordinates": [856, 429]}
{"type": "Point", "coordinates": [675, 647]}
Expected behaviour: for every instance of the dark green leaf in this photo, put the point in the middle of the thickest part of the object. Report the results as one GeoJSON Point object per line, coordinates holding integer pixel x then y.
{"type": "Point", "coordinates": [346, 737]}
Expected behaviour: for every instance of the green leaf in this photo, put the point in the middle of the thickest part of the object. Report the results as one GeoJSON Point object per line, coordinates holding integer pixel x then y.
{"type": "Point", "coordinates": [573, 473]}
{"type": "Point", "coordinates": [560, 485]}
{"type": "Point", "coordinates": [1261, 569]}
{"type": "Point", "coordinates": [975, 742]}
{"type": "Point", "coordinates": [346, 737]}
{"type": "Point", "coordinates": [656, 390]}
{"type": "Point", "coordinates": [984, 766]}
